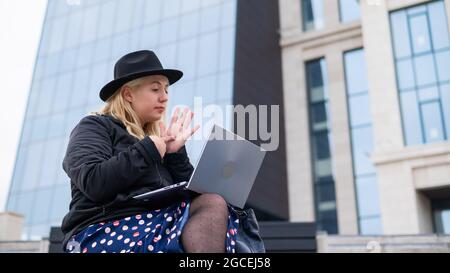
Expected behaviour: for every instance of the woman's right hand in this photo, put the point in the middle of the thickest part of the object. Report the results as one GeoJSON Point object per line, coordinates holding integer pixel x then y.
{"type": "Point", "coordinates": [160, 143]}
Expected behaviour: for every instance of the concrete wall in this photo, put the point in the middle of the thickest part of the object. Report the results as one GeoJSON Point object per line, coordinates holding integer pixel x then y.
{"type": "Point", "coordinates": [10, 226]}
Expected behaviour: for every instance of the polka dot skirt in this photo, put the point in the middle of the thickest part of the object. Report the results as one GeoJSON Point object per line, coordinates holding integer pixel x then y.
{"type": "Point", "coordinates": [156, 231]}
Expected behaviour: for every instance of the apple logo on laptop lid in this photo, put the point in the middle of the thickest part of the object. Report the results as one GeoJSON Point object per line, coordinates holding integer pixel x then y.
{"type": "Point", "coordinates": [228, 169]}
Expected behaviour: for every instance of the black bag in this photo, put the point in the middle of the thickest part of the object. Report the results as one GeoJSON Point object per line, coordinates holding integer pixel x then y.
{"type": "Point", "coordinates": [248, 238]}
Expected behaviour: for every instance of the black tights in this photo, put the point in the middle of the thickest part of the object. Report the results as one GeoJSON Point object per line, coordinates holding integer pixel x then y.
{"type": "Point", "coordinates": [206, 228]}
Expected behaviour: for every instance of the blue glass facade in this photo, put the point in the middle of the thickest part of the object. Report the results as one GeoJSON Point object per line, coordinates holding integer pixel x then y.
{"type": "Point", "coordinates": [320, 134]}
{"type": "Point", "coordinates": [421, 44]}
{"type": "Point", "coordinates": [367, 198]}
{"type": "Point", "coordinates": [349, 10]}
{"type": "Point", "coordinates": [78, 49]}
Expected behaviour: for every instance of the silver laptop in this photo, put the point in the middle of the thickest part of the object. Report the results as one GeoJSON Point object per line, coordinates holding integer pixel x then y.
{"type": "Point", "coordinates": [228, 166]}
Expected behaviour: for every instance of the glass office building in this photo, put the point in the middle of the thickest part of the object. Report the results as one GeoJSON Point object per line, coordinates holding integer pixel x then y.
{"type": "Point", "coordinates": [81, 41]}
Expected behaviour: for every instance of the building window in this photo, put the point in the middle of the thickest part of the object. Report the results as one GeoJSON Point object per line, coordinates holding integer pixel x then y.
{"type": "Point", "coordinates": [367, 198]}
{"type": "Point", "coordinates": [441, 216]}
{"type": "Point", "coordinates": [324, 192]}
{"type": "Point", "coordinates": [421, 45]}
{"type": "Point", "coordinates": [312, 14]}
{"type": "Point", "coordinates": [349, 10]}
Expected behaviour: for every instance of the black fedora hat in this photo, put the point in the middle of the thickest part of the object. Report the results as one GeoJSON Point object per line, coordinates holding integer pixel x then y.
{"type": "Point", "coordinates": [135, 65]}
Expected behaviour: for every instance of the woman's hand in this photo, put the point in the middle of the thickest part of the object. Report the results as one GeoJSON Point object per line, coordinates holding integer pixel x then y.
{"type": "Point", "coordinates": [160, 143]}
{"type": "Point", "coordinates": [179, 130]}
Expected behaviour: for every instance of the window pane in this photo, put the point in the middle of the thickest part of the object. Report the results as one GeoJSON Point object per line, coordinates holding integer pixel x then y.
{"type": "Point", "coordinates": [60, 205]}
{"type": "Point", "coordinates": [355, 71]}
{"type": "Point", "coordinates": [57, 124]}
{"type": "Point", "coordinates": [51, 162]}
{"type": "Point", "coordinates": [44, 105]}
{"type": "Point", "coordinates": [420, 35]}
{"type": "Point", "coordinates": [62, 93]}
{"type": "Point", "coordinates": [107, 19]}
{"type": "Point", "coordinates": [405, 74]}
{"type": "Point", "coordinates": [312, 14]}
{"type": "Point", "coordinates": [445, 100]}
{"type": "Point", "coordinates": [69, 59]}
{"type": "Point", "coordinates": [425, 72]}
{"type": "Point", "coordinates": [209, 19]}
{"type": "Point", "coordinates": [80, 87]}
{"type": "Point", "coordinates": [19, 169]}
{"type": "Point", "coordinates": [41, 207]}
{"type": "Point", "coordinates": [74, 28]}
{"type": "Point", "coordinates": [316, 76]}
{"type": "Point", "coordinates": [189, 25]}
{"type": "Point", "coordinates": [89, 24]}
{"type": "Point", "coordinates": [439, 27]}
{"type": "Point", "coordinates": [371, 226]}
{"type": "Point", "coordinates": [154, 9]}
{"type": "Point", "coordinates": [362, 142]}
{"type": "Point", "coordinates": [207, 60]}
{"type": "Point", "coordinates": [319, 116]}
{"type": "Point", "coordinates": [123, 21]}
{"type": "Point", "coordinates": [120, 43]}
{"type": "Point", "coordinates": [443, 65]}
{"type": "Point", "coordinates": [350, 10]}
{"type": "Point", "coordinates": [428, 93]}
{"type": "Point", "coordinates": [187, 62]}
{"type": "Point", "coordinates": [321, 146]}
{"type": "Point", "coordinates": [400, 34]}
{"type": "Point", "coordinates": [58, 27]}
{"type": "Point", "coordinates": [411, 118]}
{"type": "Point", "coordinates": [431, 113]}
{"type": "Point", "coordinates": [25, 205]}
{"type": "Point", "coordinates": [367, 195]}
{"type": "Point", "coordinates": [101, 50]}
{"type": "Point", "coordinates": [360, 110]}
{"type": "Point", "coordinates": [226, 58]}
{"type": "Point", "coordinates": [34, 158]}
{"type": "Point", "coordinates": [168, 33]}
{"type": "Point", "coordinates": [40, 128]}
{"type": "Point", "coordinates": [204, 90]}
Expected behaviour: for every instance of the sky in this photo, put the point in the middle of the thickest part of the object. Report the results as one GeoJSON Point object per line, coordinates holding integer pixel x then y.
{"type": "Point", "coordinates": [20, 30]}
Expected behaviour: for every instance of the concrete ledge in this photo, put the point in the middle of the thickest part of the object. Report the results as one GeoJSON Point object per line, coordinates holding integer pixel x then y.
{"type": "Point", "coordinates": [24, 246]}
{"type": "Point", "coordinates": [426, 243]}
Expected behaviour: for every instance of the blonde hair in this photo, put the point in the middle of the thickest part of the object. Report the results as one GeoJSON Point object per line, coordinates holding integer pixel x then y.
{"type": "Point", "coordinates": [117, 107]}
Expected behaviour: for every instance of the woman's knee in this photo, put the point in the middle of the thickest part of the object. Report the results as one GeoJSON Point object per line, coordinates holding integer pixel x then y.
{"type": "Point", "coordinates": [212, 201]}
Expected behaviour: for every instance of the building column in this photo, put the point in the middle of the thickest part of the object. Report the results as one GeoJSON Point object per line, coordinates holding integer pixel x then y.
{"type": "Point", "coordinates": [298, 152]}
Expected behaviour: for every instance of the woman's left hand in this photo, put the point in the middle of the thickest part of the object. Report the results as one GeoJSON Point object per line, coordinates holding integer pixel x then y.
{"type": "Point", "coordinates": [179, 128]}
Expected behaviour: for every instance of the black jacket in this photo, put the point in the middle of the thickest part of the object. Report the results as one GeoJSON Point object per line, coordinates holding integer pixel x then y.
{"type": "Point", "coordinates": [108, 166]}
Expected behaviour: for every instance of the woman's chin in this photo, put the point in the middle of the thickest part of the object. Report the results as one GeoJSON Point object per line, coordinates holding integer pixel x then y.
{"type": "Point", "coordinates": [155, 117]}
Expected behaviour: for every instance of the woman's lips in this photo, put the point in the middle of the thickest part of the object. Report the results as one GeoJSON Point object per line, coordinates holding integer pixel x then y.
{"type": "Point", "coordinates": [160, 108]}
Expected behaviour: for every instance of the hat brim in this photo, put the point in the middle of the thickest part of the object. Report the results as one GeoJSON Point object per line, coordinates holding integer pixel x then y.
{"type": "Point", "coordinates": [109, 89]}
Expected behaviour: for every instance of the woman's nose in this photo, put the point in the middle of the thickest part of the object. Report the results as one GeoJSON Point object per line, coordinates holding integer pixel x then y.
{"type": "Point", "coordinates": [164, 97]}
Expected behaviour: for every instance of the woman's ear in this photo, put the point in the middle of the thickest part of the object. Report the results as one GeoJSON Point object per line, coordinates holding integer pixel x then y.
{"type": "Point", "coordinates": [126, 93]}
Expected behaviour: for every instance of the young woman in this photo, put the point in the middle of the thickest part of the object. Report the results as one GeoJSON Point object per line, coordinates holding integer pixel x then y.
{"type": "Point", "coordinates": [125, 150]}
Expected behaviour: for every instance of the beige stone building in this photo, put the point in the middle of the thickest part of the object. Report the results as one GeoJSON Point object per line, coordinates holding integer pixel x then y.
{"type": "Point", "coordinates": [367, 110]}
